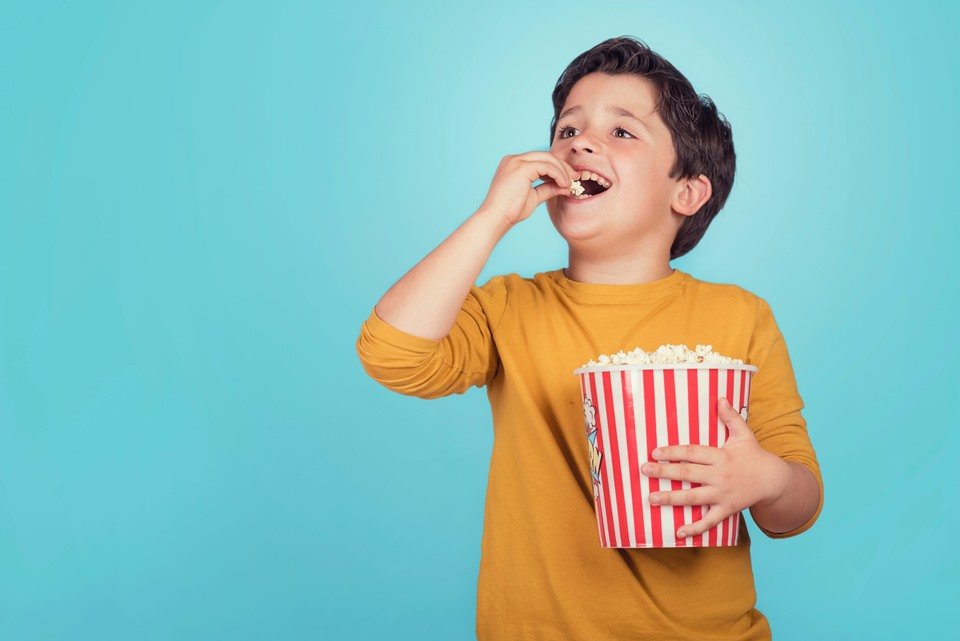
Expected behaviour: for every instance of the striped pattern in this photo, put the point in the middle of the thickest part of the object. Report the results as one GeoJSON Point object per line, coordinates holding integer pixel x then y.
{"type": "Point", "coordinates": [639, 409]}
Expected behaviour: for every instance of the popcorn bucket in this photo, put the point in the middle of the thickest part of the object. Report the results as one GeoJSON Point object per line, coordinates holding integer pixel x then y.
{"type": "Point", "coordinates": [629, 410]}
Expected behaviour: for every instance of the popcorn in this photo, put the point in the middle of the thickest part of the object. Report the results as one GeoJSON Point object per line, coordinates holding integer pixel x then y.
{"type": "Point", "coordinates": [576, 189]}
{"type": "Point", "coordinates": [665, 354]}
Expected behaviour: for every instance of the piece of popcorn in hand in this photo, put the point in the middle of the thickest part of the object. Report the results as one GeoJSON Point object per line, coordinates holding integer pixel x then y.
{"type": "Point", "coordinates": [576, 189]}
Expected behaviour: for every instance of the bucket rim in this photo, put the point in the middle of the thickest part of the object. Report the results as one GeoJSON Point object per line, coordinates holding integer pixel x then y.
{"type": "Point", "coordinates": [644, 366]}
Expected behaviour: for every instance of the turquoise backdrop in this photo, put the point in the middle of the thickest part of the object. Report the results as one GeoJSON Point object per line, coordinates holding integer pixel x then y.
{"type": "Point", "coordinates": [200, 202]}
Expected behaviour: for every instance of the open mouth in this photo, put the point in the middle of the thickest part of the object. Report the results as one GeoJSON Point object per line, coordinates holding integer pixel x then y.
{"type": "Point", "coordinates": [589, 188]}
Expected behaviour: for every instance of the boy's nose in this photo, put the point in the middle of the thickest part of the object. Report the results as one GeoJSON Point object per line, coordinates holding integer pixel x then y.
{"type": "Point", "coordinates": [583, 145]}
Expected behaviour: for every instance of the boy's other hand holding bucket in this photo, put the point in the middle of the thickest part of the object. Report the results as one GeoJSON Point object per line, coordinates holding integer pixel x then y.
{"type": "Point", "coordinates": [732, 478]}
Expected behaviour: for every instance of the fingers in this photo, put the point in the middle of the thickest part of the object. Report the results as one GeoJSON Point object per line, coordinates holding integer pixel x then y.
{"type": "Point", "coordinates": [696, 496]}
{"type": "Point", "coordinates": [693, 453]}
{"type": "Point", "coordinates": [533, 169]}
{"type": "Point", "coordinates": [712, 519]}
{"type": "Point", "coordinates": [549, 190]}
{"type": "Point", "coordinates": [552, 169]}
{"type": "Point", "coordinates": [567, 171]}
{"type": "Point", "coordinates": [559, 186]}
{"type": "Point", "coordinates": [690, 472]}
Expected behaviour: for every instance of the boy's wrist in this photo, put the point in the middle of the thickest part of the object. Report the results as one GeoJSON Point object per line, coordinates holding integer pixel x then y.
{"type": "Point", "coordinates": [494, 218]}
{"type": "Point", "coordinates": [780, 479]}
{"type": "Point", "coordinates": [793, 505]}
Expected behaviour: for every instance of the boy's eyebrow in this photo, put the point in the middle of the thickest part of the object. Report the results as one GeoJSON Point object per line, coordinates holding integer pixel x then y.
{"type": "Point", "coordinates": [614, 109]}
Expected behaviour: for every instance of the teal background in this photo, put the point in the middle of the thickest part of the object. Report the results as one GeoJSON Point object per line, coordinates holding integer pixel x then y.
{"type": "Point", "coordinates": [200, 202]}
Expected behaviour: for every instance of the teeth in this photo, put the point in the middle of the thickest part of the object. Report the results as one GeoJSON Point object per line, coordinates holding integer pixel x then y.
{"type": "Point", "coordinates": [585, 175]}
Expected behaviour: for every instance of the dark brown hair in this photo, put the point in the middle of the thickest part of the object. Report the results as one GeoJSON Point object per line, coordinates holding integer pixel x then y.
{"type": "Point", "coordinates": [702, 138]}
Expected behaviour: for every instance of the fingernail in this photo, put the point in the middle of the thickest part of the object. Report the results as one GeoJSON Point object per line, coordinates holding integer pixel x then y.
{"type": "Point", "coordinates": [682, 533]}
{"type": "Point", "coordinates": [656, 452]}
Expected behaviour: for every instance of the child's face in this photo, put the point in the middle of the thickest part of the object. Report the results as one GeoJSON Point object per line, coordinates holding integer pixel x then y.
{"type": "Point", "coordinates": [636, 210]}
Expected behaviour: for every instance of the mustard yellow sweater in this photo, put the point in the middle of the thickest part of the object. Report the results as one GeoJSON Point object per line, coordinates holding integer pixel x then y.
{"type": "Point", "coordinates": [543, 574]}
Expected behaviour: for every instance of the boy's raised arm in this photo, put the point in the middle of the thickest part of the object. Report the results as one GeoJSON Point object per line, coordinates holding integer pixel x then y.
{"type": "Point", "coordinates": [426, 301]}
{"type": "Point", "coordinates": [431, 334]}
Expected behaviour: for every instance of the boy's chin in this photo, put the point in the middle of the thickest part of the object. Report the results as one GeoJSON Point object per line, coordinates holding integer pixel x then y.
{"type": "Point", "coordinates": [574, 225]}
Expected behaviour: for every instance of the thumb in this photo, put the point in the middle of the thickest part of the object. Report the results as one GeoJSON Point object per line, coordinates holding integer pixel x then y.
{"type": "Point", "coordinates": [732, 419]}
{"type": "Point", "coordinates": [550, 189]}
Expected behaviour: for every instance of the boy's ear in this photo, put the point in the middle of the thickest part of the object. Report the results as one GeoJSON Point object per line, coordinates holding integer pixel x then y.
{"type": "Point", "coordinates": [691, 194]}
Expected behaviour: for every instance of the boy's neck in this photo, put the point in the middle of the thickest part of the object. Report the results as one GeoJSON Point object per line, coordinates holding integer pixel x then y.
{"type": "Point", "coordinates": [616, 271]}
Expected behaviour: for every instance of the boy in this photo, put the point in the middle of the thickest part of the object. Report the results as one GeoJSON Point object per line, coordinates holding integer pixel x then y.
{"type": "Point", "coordinates": [660, 163]}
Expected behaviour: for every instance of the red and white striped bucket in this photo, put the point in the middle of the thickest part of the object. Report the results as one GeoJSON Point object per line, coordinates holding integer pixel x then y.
{"type": "Point", "coordinates": [629, 410]}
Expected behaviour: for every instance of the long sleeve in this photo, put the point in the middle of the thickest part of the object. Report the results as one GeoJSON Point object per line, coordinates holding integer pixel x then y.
{"type": "Point", "coordinates": [774, 411]}
{"type": "Point", "coordinates": [432, 368]}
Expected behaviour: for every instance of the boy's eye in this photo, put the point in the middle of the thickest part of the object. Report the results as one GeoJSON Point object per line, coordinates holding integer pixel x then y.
{"type": "Point", "coordinates": [563, 131]}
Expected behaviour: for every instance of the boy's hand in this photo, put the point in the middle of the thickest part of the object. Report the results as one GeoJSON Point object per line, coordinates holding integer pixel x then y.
{"type": "Point", "coordinates": [512, 194]}
{"type": "Point", "coordinates": [733, 477]}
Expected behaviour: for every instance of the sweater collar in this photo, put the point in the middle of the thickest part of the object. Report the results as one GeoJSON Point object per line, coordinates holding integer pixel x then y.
{"type": "Point", "coordinates": [599, 293]}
